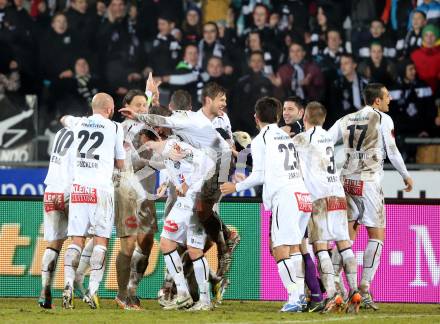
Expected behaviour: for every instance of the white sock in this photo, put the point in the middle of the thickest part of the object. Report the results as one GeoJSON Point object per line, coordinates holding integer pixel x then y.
{"type": "Point", "coordinates": [327, 272]}
{"type": "Point", "coordinates": [371, 263]}
{"type": "Point", "coordinates": [175, 268]}
{"type": "Point", "coordinates": [201, 271]}
{"type": "Point", "coordinates": [97, 265]}
{"type": "Point", "coordinates": [48, 266]}
{"type": "Point", "coordinates": [71, 261]}
{"type": "Point", "coordinates": [84, 265]}
{"type": "Point", "coordinates": [286, 270]}
{"type": "Point", "coordinates": [299, 265]}
{"type": "Point", "coordinates": [336, 260]}
{"type": "Point", "coordinates": [350, 267]}
{"type": "Point", "coordinates": [138, 265]}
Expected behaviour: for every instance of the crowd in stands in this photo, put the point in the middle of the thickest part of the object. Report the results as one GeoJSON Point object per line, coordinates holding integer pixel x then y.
{"type": "Point", "coordinates": [327, 50]}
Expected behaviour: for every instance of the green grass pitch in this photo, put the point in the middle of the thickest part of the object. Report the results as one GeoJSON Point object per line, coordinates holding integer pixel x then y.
{"type": "Point", "coordinates": [20, 310]}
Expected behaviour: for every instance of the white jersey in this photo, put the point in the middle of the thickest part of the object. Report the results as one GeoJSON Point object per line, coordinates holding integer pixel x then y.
{"type": "Point", "coordinates": [98, 142]}
{"type": "Point", "coordinates": [60, 173]}
{"type": "Point", "coordinates": [192, 127]}
{"type": "Point", "coordinates": [193, 169]}
{"type": "Point", "coordinates": [275, 164]}
{"type": "Point", "coordinates": [368, 137]}
{"type": "Point", "coordinates": [316, 152]}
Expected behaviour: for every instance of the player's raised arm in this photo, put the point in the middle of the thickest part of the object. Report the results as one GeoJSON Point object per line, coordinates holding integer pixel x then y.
{"type": "Point", "coordinates": [387, 132]}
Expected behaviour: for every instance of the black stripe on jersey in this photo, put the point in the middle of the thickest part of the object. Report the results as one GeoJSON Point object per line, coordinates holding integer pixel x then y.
{"type": "Point", "coordinates": [314, 129]}
{"type": "Point", "coordinates": [276, 218]}
{"type": "Point", "coordinates": [380, 115]}
{"type": "Point", "coordinates": [116, 126]}
{"type": "Point", "coordinates": [265, 134]}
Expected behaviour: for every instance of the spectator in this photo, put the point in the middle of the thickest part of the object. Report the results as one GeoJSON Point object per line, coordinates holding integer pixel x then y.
{"type": "Point", "coordinates": [120, 54]}
{"type": "Point", "coordinates": [292, 12]}
{"type": "Point", "coordinates": [58, 51]}
{"type": "Point", "coordinates": [377, 68]}
{"type": "Point", "coordinates": [247, 91]}
{"type": "Point", "coordinates": [412, 106]}
{"type": "Point", "coordinates": [260, 17]}
{"type": "Point", "coordinates": [300, 77]}
{"type": "Point", "coordinates": [323, 23]}
{"type": "Point", "coordinates": [19, 32]}
{"type": "Point", "coordinates": [427, 58]}
{"type": "Point", "coordinates": [166, 49]}
{"type": "Point", "coordinates": [431, 8]}
{"type": "Point", "coordinates": [245, 11]}
{"type": "Point", "coordinates": [346, 91]}
{"type": "Point", "coordinates": [293, 112]}
{"type": "Point", "coordinates": [376, 35]}
{"type": "Point", "coordinates": [9, 80]}
{"type": "Point", "coordinates": [80, 21]}
{"type": "Point", "coordinates": [216, 73]}
{"type": "Point", "coordinates": [253, 44]}
{"type": "Point", "coordinates": [74, 95]}
{"type": "Point", "coordinates": [328, 59]}
{"type": "Point", "coordinates": [412, 40]}
{"type": "Point", "coordinates": [192, 26]}
{"type": "Point", "coordinates": [211, 46]}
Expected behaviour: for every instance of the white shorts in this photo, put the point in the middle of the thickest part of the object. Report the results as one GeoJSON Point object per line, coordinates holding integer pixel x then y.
{"type": "Point", "coordinates": [365, 202]}
{"type": "Point", "coordinates": [56, 206]}
{"type": "Point", "coordinates": [329, 220]}
{"type": "Point", "coordinates": [290, 215]}
{"type": "Point", "coordinates": [183, 226]}
{"type": "Point", "coordinates": [91, 212]}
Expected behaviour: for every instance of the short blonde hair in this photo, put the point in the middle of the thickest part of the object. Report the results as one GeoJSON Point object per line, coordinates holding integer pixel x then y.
{"type": "Point", "coordinates": [316, 113]}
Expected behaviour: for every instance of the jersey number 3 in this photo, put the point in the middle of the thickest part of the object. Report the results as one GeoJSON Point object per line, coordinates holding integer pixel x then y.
{"type": "Point", "coordinates": [85, 136]}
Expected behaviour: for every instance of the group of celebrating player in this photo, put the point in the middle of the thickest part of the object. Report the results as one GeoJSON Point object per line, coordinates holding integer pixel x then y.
{"type": "Point", "coordinates": [102, 173]}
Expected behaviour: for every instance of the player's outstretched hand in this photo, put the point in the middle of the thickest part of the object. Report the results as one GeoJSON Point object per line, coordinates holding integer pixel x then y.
{"type": "Point", "coordinates": [409, 184]}
{"type": "Point", "coordinates": [227, 188]}
{"type": "Point", "coordinates": [128, 112]}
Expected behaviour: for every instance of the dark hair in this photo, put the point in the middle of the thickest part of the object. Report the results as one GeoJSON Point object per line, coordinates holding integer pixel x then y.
{"type": "Point", "coordinates": [420, 12]}
{"type": "Point", "coordinates": [181, 100]}
{"type": "Point", "coordinates": [296, 100]}
{"type": "Point", "coordinates": [130, 96]}
{"type": "Point", "coordinates": [213, 24]}
{"type": "Point", "coordinates": [332, 29]}
{"type": "Point", "coordinates": [371, 92]}
{"type": "Point", "coordinates": [377, 20]}
{"type": "Point", "coordinates": [160, 110]}
{"type": "Point", "coordinates": [268, 110]}
{"type": "Point", "coordinates": [350, 56]}
{"type": "Point", "coordinates": [296, 42]}
{"type": "Point", "coordinates": [263, 6]}
{"type": "Point", "coordinates": [256, 53]}
{"type": "Point", "coordinates": [376, 43]}
{"type": "Point", "coordinates": [212, 90]}
{"type": "Point", "coordinates": [316, 113]}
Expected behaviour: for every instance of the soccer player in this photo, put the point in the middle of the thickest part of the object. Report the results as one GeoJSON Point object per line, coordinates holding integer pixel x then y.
{"type": "Point", "coordinates": [329, 217]}
{"type": "Point", "coordinates": [196, 129]}
{"type": "Point", "coordinates": [56, 199]}
{"type": "Point", "coordinates": [368, 138]}
{"type": "Point", "coordinates": [181, 226]}
{"type": "Point", "coordinates": [98, 142]}
{"type": "Point", "coordinates": [135, 221]}
{"type": "Point", "coordinates": [276, 167]}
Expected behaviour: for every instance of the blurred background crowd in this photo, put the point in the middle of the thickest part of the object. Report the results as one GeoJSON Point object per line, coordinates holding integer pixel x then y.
{"type": "Point", "coordinates": [63, 52]}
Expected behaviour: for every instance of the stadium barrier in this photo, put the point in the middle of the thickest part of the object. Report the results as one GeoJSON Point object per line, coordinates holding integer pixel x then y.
{"type": "Point", "coordinates": [409, 270]}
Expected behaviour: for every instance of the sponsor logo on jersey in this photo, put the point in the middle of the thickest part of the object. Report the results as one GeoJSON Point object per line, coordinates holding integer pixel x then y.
{"type": "Point", "coordinates": [83, 195]}
{"type": "Point", "coordinates": [336, 203]}
{"type": "Point", "coordinates": [53, 201]}
{"type": "Point", "coordinates": [353, 187]}
{"type": "Point", "coordinates": [304, 201]}
{"type": "Point", "coordinates": [170, 226]}
{"type": "Point", "coordinates": [131, 222]}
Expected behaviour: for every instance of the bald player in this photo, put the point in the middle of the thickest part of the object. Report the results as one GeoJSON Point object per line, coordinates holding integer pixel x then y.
{"type": "Point", "coordinates": [98, 143]}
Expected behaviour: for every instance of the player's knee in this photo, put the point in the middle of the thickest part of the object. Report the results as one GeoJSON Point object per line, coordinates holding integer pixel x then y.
{"type": "Point", "coordinates": [128, 245]}
{"type": "Point", "coordinates": [194, 253]}
{"type": "Point", "coordinates": [166, 245]}
{"type": "Point", "coordinates": [56, 245]}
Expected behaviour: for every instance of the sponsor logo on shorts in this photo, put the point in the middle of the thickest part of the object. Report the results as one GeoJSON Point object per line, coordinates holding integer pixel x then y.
{"type": "Point", "coordinates": [53, 201]}
{"type": "Point", "coordinates": [353, 187]}
{"type": "Point", "coordinates": [304, 201]}
{"type": "Point", "coordinates": [336, 203]}
{"type": "Point", "coordinates": [83, 195]}
{"type": "Point", "coordinates": [170, 226]}
{"type": "Point", "coordinates": [131, 222]}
